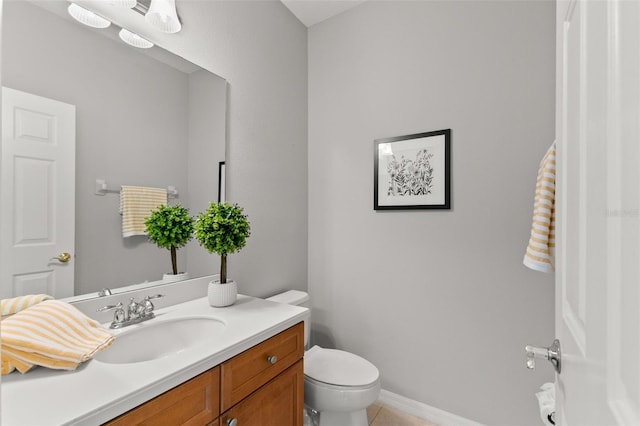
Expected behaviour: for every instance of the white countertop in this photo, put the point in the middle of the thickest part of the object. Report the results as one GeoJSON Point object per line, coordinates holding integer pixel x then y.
{"type": "Point", "coordinates": [97, 392]}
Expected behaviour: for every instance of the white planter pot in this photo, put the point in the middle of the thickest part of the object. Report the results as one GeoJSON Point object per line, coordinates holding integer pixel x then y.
{"type": "Point", "coordinates": [222, 294]}
{"type": "Point", "coordinates": [170, 278]}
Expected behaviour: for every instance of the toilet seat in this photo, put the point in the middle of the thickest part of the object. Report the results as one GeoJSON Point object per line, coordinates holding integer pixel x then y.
{"type": "Point", "coordinates": [341, 388]}
{"type": "Point", "coordinates": [339, 368]}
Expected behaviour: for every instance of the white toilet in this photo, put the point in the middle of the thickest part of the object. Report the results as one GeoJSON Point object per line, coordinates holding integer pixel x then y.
{"type": "Point", "coordinates": [337, 384]}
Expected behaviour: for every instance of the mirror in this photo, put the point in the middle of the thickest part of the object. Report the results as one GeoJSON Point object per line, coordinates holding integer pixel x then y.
{"type": "Point", "coordinates": [143, 117]}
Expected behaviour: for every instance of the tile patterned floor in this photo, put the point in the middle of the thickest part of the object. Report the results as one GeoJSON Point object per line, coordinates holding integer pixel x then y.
{"type": "Point", "coordinates": [382, 415]}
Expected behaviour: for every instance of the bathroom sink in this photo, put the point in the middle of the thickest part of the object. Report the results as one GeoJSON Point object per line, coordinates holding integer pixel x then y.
{"type": "Point", "coordinates": [158, 339]}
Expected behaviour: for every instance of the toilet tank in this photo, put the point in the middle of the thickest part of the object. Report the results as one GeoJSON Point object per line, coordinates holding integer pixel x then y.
{"type": "Point", "coordinates": [297, 298]}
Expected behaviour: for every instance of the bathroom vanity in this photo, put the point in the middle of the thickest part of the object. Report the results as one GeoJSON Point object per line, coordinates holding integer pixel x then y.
{"type": "Point", "coordinates": [253, 388]}
{"type": "Point", "coordinates": [248, 369]}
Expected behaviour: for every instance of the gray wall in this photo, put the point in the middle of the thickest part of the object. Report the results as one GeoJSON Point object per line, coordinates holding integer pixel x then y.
{"type": "Point", "coordinates": [207, 121]}
{"type": "Point", "coordinates": [438, 300]}
{"type": "Point", "coordinates": [133, 127]}
{"type": "Point", "coordinates": [260, 48]}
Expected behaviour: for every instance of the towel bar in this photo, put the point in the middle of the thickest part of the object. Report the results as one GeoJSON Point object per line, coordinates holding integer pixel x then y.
{"type": "Point", "coordinates": [102, 189]}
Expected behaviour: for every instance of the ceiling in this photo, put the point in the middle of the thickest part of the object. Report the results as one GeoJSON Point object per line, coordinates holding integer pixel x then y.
{"type": "Point", "coordinates": [310, 12]}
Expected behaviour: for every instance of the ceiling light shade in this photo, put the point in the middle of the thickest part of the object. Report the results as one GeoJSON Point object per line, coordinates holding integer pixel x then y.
{"type": "Point", "coordinates": [87, 17]}
{"type": "Point", "coordinates": [123, 3]}
{"type": "Point", "coordinates": [134, 40]}
{"type": "Point", "coordinates": [162, 15]}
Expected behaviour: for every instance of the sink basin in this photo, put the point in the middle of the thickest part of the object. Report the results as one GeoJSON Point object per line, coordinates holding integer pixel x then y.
{"type": "Point", "coordinates": [158, 339]}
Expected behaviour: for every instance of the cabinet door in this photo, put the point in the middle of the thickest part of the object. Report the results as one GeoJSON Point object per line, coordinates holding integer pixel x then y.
{"type": "Point", "coordinates": [246, 372]}
{"type": "Point", "coordinates": [278, 403]}
{"type": "Point", "coordinates": [195, 402]}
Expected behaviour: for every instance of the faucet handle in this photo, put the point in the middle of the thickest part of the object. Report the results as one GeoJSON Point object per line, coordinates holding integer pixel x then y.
{"type": "Point", "coordinates": [155, 296]}
{"type": "Point", "coordinates": [118, 317]}
{"type": "Point", "coordinates": [148, 306]}
{"type": "Point", "coordinates": [109, 307]}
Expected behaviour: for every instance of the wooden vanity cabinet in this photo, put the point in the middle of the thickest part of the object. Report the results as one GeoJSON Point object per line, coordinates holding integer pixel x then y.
{"type": "Point", "coordinates": [246, 372]}
{"type": "Point", "coordinates": [278, 403]}
{"type": "Point", "coordinates": [195, 402]}
{"type": "Point", "coordinates": [262, 386]}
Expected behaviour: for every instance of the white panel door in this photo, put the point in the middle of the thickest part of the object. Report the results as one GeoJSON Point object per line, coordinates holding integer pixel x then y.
{"type": "Point", "coordinates": [598, 212]}
{"type": "Point", "coordinates": [37, 193]}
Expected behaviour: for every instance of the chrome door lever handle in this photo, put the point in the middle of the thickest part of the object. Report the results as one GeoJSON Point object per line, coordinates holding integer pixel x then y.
{"type": "Point", "coordinates": [553, 354]}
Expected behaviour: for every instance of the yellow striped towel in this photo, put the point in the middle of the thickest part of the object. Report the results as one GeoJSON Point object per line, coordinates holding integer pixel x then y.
{"type": "Point", "coordinates": [9, 364]}
{"type": "Point", "coordinates": [51, 334]}
{"type": "Point", "coordinates": [540, 250]}
{"type": "Point", "coordinates": [136, 203]}
{"type": "Point", "coordinates": [17, 304]}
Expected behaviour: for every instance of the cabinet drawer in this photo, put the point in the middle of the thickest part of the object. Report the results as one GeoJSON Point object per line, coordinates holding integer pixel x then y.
{"type": "Point", "coordinates": [279, 402]}
{"type": "Point", "coordinates": [195, 402]}
{"type": "Point", "coordinates": [246, 372]}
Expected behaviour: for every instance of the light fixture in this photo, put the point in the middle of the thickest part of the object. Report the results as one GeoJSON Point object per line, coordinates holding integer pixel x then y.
{"type": "Point", "coordinates": [123, 3]}
{"type": "Point", "coordinates": [162, 15]}
{"type": "Point", "coordinates": [87, 17]}
{"type": "Point", "coordinates": [134, 40]}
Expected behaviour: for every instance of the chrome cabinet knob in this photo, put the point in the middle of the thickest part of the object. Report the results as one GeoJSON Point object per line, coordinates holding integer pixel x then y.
{"type": "Point", "coordinates": [272, 359]}
{"type": "Point", "coordinates": [232, 422]}
{"type": "Point", "coordinates": [553, 354]}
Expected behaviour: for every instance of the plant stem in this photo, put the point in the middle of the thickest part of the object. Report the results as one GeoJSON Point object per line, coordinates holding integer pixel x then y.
{"type": "Point", "coordinates": [223, 269]}
{"type": "Point", "coordinates": [174, 261]}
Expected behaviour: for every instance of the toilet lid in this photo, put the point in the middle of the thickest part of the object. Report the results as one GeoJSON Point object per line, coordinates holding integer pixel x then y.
{"type": "Point", "coordinates": [337, 367]}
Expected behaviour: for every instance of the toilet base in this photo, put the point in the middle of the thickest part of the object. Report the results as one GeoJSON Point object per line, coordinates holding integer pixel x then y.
{"type": "Point", "coordinates": [337, 418]}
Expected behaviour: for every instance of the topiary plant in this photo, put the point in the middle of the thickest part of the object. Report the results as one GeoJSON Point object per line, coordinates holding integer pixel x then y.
{"type": "Point", "coordinates": [223, 229]}
{"type": "Point", "coordinates": [170, 227]}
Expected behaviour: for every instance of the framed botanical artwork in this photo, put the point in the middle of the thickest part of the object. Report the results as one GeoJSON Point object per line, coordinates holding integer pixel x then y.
{"type": "Point", "coordinates": [412, 171]}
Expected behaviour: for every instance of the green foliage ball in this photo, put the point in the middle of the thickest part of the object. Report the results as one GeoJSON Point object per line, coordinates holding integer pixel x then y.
{"type": "Point", "coordinates": [170, 226]}
{"type": "Point", "coordinates": [222, 228]}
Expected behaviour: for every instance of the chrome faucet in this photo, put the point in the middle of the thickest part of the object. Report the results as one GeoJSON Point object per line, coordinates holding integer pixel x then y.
{"type": "Point", "coordinates": [135, 312]}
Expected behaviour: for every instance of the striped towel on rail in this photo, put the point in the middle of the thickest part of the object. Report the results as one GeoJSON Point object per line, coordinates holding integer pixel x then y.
{"type": "Point", "coordinates": [136, 204]}
{"type": "Point", "coordinates": [539, 255]}
{"type": "Point", "coordinates": [52, 334]}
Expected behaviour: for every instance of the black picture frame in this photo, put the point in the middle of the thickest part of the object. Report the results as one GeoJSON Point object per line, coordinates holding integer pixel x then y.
{"type": "Point", "coordinates": [413, 171]}
{"type": "Point", "coordinates": [222, 195]}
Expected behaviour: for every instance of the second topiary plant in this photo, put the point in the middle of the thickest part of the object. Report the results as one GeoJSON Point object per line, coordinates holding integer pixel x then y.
{"type": "Point", "coordinates": [223, 229]}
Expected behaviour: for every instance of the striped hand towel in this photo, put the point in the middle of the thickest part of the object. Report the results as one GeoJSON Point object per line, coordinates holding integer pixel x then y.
{"type": "Point", "coordinates": [136, 203]}
{"type": "Point", "coordinates": [17, 304]}
{"type": "Point", "coordinates": [539, 255]}
{"type": "Point", "coordinates": [51, 334]}
{"type": "Point", "coordinates": [9, 364]}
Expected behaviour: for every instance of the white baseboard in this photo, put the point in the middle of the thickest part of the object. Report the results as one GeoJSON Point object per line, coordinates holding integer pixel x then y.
{"type": "Point", "coordinates": [424, 411]}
